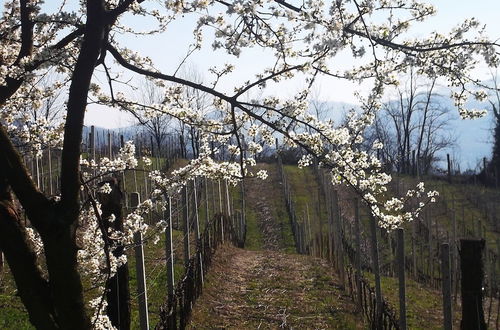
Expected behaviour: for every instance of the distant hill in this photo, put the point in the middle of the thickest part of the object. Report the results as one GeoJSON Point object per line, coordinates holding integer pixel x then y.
{"type": "Point", "coordinates": [474, 137]}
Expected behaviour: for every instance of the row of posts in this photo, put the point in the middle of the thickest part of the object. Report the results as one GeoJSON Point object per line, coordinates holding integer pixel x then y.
{"type": "Point", "coordinates": [472, 310]}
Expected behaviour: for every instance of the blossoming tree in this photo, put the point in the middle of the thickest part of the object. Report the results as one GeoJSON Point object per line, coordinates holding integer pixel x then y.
{"type": "Point", "coordinates": [84, 45]}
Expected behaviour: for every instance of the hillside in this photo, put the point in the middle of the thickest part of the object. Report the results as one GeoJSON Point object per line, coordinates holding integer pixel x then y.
{"type": "Point", "coordinates": [272, 286]}
{"type": "Point", "coordinates": [267, 284]}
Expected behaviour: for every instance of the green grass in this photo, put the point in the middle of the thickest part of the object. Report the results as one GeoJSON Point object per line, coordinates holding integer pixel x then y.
{"type": "Point", "coordinates": [13, 315]}
{"type": "Point", "coordinates": [274, 195]}
{"type": "Point", "coordinates": [424, 309]}
{"type": "Point", "coordinates": [253, 235]}
{"type": "Point", "coordinates": [306, 194]}
{"type": "Point", "coordinates": [253, 239]}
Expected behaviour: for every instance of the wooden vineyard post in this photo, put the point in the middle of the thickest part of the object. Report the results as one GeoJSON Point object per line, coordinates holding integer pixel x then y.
{"type": "Point", "coordinates": [298, 237]}
{"type": "Point", "coordinates": [243, 230]}
{"type": "Point", "coordinates": [310, 238]}
{"type": "Point", "coordinates": [357, 231]}
{"type": "Point", "coordinates": [135, 172]}
{"type": "Point", "coordinates": [446, 286]}
{"type": "Point", "coordinates": [329, 212]}
{"type": "Point", "coordinates": [142, 296]}
{"type": "Point", "coordinates": [228, 201]}
{"type": "Point", "coordinates": [390, 242]}
{"type": "Point", "coordinates": [243, 206]}
{"type": "Point", "coordinates": [169, 254]}
{"type": "Point", "coordinates": [124, 182]}
{"type": "Point", "coordinates": [92, 142]}
{"type": "Point", "coordinates": [220, 196]}
{"type": "Point", "coordinates": [110, 146]}
{"type": "Point", "coordinates": [401, 277]}
{"type": "Point", "coordinates": [454, 259]}
{"type": "Point", "coordinates": [449, 167]}
{"type": "Point", "coordinates": [414, 164]}
{"type": "Point", "coordinates": [199, 248]}
{"type": "Point", "coordinates": [430, 261]}
{"type": "Point", "coordinates": [413, 248]}
{"type": "Point", "coordinates": [207, 211]}
{"type": "Point", "coordinates": [221, 213]}
{"type": "Point", "coordinates": [472, 270]}
{"type": "Point", "coordinates": [51, 189]}
{"type": "Point", "coordinates": [338, 237]}
{"type": "Point", "coordinates": [485, 168]}
{"type": "Point", "coordinates": [37, 169]}
{"type": "Point", "coordinates": [154, 163]}
{"type": "Point", "coordinates": [376, 271]}
{"type": "Point", "coordinates": [185, 225]}
{"type": "Point", "coordinates": [145, 182]}
{"type": "Point", "coordinates": [320, 223]}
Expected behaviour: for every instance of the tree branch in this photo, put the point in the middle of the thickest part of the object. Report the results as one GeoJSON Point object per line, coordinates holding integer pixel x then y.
{"type": "Point", "coordinates": [13, 84]}
{"type": "Point", "coordinates": [12, 166]}
{"type": "Point", "coordinates": [26, 32]}
{"type": "Point", "coordinates": [32, 287]}
{"type": "Point", "coordinates": [416, 48]}
{"type": "Point", "coordinates": [123, 62]}
{"type": "Point", "coordinates": [77, 102]}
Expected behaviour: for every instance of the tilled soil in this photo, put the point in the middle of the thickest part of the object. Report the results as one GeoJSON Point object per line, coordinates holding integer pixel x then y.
{"type": "Point", "coordinates": [271, 290]}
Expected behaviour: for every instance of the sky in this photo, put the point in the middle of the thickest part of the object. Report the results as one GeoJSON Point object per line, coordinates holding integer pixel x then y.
{"type": "Point", "coordinates": [168, 50]}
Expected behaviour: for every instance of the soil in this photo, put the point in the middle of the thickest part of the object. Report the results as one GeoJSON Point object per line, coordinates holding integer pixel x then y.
{"type": "Point", "coordinates": [271, 289]}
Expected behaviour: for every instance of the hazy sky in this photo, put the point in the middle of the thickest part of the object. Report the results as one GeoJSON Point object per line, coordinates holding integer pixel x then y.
{"type": "Point", "coordinates": [473, 137]}
{"type": "Point", "coordinates": [167, 50]}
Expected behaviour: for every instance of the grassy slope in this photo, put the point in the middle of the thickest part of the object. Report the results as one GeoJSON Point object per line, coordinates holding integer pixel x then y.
{"type": "Point", "coordinates": [271, 190]}
{"type": "Point", "coordinates": [424, 305]}
{"type": "Point", "coordinates": [314, 298]}
{"type": "Point", "coordinates": [306, 192]}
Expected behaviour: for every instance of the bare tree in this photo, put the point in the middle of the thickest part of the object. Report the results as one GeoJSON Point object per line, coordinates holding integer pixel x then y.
{"type": "Point", "coordinates": [198, 101]}
{"type": "Point", "coordinates": [494, 100]}
{"type": "Point", "coordinates": [159, 125]}
{"type": "Point", "coordinates": [413, 126]}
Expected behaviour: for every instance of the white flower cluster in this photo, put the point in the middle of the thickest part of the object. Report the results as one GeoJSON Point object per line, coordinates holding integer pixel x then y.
{"type": "Point", "coordinates": [125, 159]}
{"type": "Point", "coordinates": [472, 113]}
{"type": "Point", "coordinates": [99, 319]}
{"type": "Point", "coordinates": [305, 161]}
{"type": "Point", "coordinates": [105, 189]}
{"type": "Point", "coordinates": [36, 240]}
{"type": "Point", "coordinates": [95, 262]}
{"type": "Point", "coordinates": [395, 211]}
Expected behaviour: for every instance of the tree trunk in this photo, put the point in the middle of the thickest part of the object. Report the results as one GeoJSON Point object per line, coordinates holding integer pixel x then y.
{"type": "Point", "coordinates": [472, 271]}
{"type": "Point", "coordinates": [33, 289]}
{"type": "Point", "coordinates": [117, 287]}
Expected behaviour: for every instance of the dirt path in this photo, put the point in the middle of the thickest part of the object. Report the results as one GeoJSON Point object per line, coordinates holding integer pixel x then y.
{"type": "Point", "coordinates": [270, 290]}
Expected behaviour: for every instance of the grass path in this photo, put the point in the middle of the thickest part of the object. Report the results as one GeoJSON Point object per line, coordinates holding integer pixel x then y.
{"type": "Point", "coordinates": [272, 288]}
